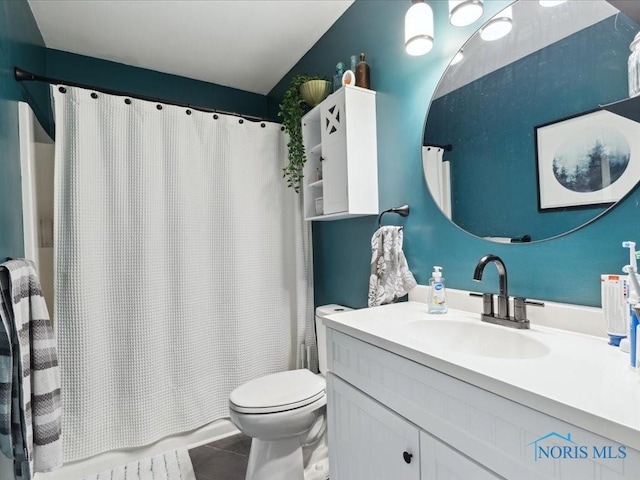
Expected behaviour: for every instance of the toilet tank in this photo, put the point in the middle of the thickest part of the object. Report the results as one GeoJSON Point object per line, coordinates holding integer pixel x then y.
{"type": "Point", "coordinates": [321, 335]}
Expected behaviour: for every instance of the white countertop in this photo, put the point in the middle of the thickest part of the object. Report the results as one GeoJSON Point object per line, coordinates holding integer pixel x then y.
{"type": "Point", "coordinates": [582, 380]}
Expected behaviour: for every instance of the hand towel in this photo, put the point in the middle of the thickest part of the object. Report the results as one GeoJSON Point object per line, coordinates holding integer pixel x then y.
{"type": "Point", "coordinates": [390, 276]}
{"type": "Point", "coordinates": [30, 412]}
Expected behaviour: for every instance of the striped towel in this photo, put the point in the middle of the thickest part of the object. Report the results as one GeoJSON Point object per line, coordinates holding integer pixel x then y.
{"type": "Point", "coordinates": [30, 413]}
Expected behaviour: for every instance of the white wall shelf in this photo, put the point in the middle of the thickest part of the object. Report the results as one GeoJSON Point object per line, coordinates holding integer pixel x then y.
{"type": "Point", "coordinates": [339, 137]}
{"type": "Point", "coordinates": [316, 150]}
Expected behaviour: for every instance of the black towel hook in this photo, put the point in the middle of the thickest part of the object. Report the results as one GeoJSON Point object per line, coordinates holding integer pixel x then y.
{"type": "Point", "coordinates": [402, 210]}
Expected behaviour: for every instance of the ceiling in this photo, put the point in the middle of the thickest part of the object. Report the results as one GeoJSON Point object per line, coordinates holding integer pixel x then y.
{"type": "Point", "coordinates": [245, 44]}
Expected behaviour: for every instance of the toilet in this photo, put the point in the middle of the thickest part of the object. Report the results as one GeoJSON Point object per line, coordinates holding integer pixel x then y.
{"type": "Point", "coordinates": [285, 414]}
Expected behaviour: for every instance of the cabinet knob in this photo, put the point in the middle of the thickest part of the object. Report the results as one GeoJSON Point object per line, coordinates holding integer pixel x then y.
{"type": "Point", "coordinates": [407, 456]}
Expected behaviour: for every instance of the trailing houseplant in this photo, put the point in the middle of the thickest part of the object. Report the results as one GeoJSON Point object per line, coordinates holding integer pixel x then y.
{"type": "Point", "coordinates": [292, 109]}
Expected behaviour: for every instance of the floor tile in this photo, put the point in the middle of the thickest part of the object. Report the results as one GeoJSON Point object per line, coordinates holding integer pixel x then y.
{"type": "Point", "coordinates": [236, 443]}
{"type": "Point", "coordinates": [225, 459]}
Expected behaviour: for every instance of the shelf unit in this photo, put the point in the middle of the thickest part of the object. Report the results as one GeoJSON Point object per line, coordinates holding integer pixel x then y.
{"type": "Point", "coordinates": [339, 137]}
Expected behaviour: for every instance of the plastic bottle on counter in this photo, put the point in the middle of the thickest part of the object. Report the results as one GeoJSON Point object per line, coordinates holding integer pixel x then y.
{"type": "Point", "coordinates": [437, 301]}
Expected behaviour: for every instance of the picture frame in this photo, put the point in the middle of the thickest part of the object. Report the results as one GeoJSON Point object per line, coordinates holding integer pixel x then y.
{"type": "Point", "coordinates": [586, 160]}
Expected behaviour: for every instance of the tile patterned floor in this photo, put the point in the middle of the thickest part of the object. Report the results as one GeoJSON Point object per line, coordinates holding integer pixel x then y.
{"type": "Point", "coordinates": [225, 459]}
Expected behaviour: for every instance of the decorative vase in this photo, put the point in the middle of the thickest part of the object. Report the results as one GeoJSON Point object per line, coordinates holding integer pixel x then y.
{"type": "Point", "coordinates": [315, 91]}
{"type": "Point", "coordinates": [362, 73]}
{"type": "Point", "coordinates": [349, 78]}
{"type": "Point", "coordinates": [337, 78]}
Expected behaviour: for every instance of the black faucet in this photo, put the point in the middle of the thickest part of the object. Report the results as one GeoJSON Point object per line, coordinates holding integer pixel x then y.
{"type": "Point", "coordinates": [503, 317]}
{"type": "Point", "coordinates": [503, 297]}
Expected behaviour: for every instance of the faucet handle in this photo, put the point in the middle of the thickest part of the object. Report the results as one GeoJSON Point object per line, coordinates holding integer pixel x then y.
{"type": "Point", "coordinates": [519, 309]}
{"type": "Point", "coordinates": [487, 304]}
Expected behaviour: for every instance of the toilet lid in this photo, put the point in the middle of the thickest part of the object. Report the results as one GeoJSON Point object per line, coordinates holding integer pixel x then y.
{"type": "Point", "coordinates": [278, 392]}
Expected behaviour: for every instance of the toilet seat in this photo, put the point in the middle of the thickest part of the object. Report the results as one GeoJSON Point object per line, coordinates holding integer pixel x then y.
{"type": "Point", "coordinates": [278, 392]}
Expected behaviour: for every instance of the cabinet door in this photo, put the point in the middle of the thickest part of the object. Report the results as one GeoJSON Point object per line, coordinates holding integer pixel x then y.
{"type": "Point", "coordinates": [366, 440]}
{"type": "Point", "coordinates": [334, 154]}
{"type": "Point", "coordinates": [438, 461]}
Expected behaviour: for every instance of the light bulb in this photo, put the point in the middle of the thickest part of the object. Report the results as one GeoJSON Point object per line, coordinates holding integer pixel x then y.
{"type": "Point", "coordinates": [418, 29]}
{"type": "Point", "coordinates": [458, 58]}
{"type": "Point", "coordinates": [498, 26]}
{"type": "Point", "coordinates": [550, 3]}
{"type": "Point", "coordinates": [464, 12]}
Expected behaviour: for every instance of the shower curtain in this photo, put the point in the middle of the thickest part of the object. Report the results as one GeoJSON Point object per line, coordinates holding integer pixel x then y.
{"type": "Point", "coordinates": [437, 173]}
{"type": "Point", "coordinates": [182, 266]}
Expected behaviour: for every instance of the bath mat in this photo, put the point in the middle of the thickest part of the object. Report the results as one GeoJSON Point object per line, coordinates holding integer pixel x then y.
{"type": "Point", "coordinates": [174, 465]}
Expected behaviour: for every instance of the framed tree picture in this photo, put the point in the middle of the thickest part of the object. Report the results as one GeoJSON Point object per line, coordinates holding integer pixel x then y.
{"type": "Point", "coordinates": [587, 160]}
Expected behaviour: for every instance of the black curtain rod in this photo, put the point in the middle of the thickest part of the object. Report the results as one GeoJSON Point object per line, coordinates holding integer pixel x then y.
{"type": "Point", "coordinates": [24, 76]}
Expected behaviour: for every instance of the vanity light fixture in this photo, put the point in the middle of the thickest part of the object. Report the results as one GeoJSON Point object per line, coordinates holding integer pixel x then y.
{"type": "Point", "coordinates": [418, 28]}
{"type": "Point", "coordinates": [498, 26]}
{"type": "Point", "coordinates": [550, 3]}
{"type": "Point", "coordinates": [464, 12]}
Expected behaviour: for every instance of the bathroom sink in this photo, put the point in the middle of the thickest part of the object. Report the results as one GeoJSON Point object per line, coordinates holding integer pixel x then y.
{"type": "Point", "coordinates": [476, 339]}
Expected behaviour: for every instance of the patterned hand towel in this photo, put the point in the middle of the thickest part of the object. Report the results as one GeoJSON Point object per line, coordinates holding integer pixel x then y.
{"type": "Point", "coordinates": [390, 276]}
{"type": "Point", "coordinates": [30, 413]}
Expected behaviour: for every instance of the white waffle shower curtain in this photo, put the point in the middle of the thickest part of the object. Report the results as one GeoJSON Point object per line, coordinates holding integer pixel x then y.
{"type": "Point", "coordinates": [182, 266]}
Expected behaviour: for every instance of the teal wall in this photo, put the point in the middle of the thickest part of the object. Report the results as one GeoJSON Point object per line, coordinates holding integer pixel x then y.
{"type": "Point", "coordinates": [21, 44]}
{"type": "Point", "coordinates": [493, 135]}
{"type": "Point", "coordinates": [117, 76]}
{"type": "Point", "coordinates": [565, 269]}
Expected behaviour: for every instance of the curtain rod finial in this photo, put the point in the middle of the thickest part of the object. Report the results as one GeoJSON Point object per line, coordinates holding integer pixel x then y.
{"type": "Point", "coordinates": [20, 75]}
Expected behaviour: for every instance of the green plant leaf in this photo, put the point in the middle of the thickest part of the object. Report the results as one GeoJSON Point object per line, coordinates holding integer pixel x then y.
{"type": "Point", "coordinates": [292, 109]}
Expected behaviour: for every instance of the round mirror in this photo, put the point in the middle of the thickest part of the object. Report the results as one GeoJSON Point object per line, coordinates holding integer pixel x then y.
{"type": "Point", "coordinates": [532, 135]}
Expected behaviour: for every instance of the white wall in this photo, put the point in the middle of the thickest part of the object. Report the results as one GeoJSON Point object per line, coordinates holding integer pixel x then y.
{"type": "Point", "coordinates": [45, 154]}
{"type": "Point", "coordinates": [37, 152]}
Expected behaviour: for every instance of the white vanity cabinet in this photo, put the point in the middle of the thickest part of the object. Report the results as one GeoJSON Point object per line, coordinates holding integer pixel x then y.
{"type": "Point", "coordinates": [381, 404]}
{"type": "Point", "coordinates": [341, 171]}
{"type": "Point", "coordinates": [438, 461]}
{"type": "Point", "coordinates": [369, 441]}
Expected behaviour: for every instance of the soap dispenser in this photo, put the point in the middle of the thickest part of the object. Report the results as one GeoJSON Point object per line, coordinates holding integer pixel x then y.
{"type": "Point", "coordinates": [437, 301]}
